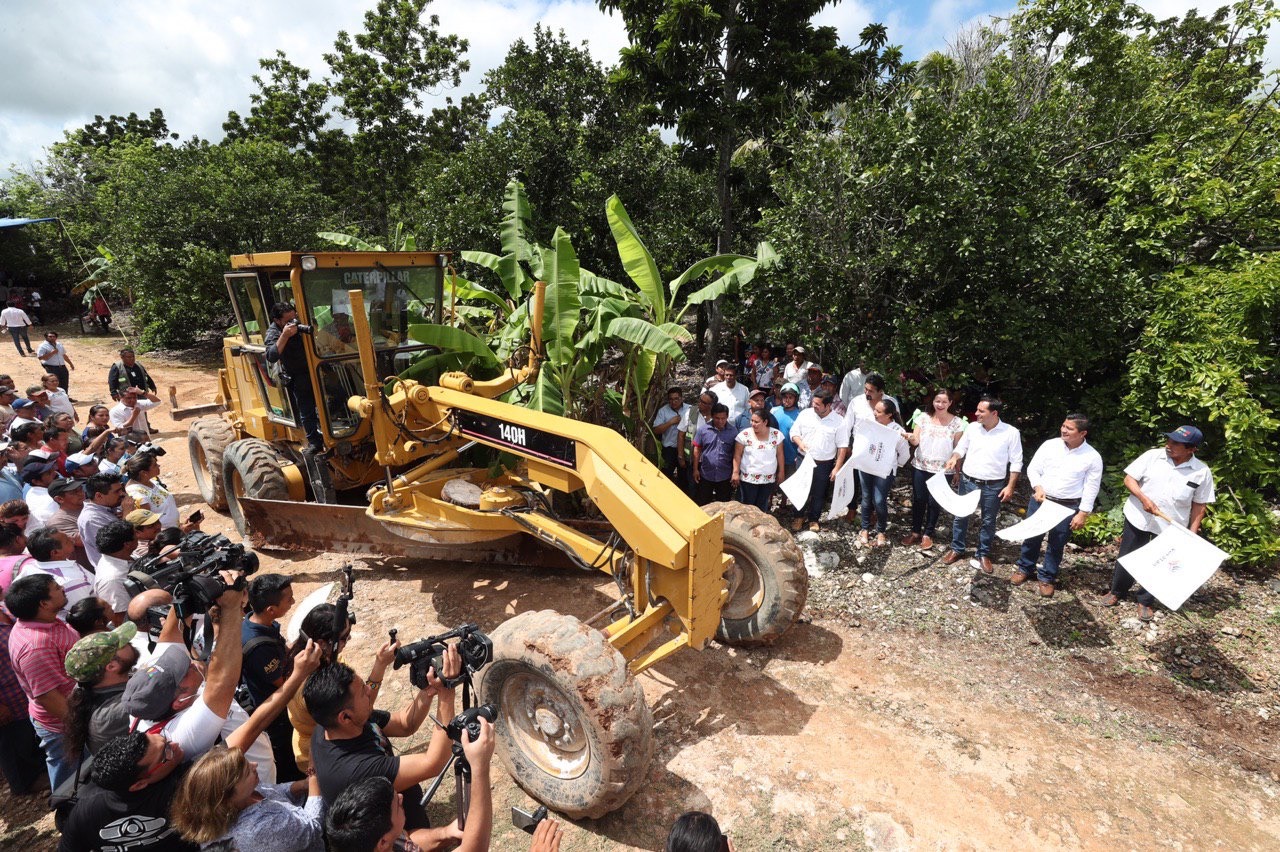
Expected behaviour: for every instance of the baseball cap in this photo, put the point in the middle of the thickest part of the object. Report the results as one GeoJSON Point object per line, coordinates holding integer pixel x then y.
{"type": "Point", "coordinates": [791, 387]}
{"type": "Point", "coordinates": [22, 403]}
{"type": "Point", "coordinates": [63, 486]}
{"type": "Point", "coordinates": [721, 363]}
{"type": "Point", "coordinates": [799, 349]}
{"type": "Point", "coordinates": [1189, 435]}
{"type": "Point", "coordinates": [75, 461]}
{"type": "Point", "coordinates": [150, 692]}
{"type": "Point", "coordinates": [829, 380]}
{"type": "Point", "coordinates": [35, 469]}
{"type": "Point", "coordinates": [817, 367]}
{"type": "Point", "coordinates": [88, 658]}
{"type": "Point", "coordinates": [756, 392]}
{"type": "Point", "coordinates": [7, 391]}
{"type": "Point", "coordinates": [142, 518]}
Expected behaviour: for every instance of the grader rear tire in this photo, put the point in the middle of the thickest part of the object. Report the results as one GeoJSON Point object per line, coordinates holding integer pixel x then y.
{"type": "Point", "coordinates": [573, 727]}
{"type": "Point", "coordinates": [250, 469]}
{"type": "Point", "coordinates": [768, 584]}
{"type": "Point", "coordinates": [207, 441]}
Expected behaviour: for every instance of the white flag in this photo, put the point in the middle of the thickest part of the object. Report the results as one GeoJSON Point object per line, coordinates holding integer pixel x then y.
{"type": "Point", "coordinates": [796, 486]}
{"type": "Point", "coordinates": [875, 448]}
{"type": "Point", "coordinates": [1174, 565]}
{"type": "Point", "coordinates": [1048, 516]}
{"type": "Point", "coordinates": [842, 492]}
{"type": "Point", "coordinates": [961, 507]}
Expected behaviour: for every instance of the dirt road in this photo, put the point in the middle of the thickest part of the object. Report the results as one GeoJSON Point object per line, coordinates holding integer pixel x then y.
{"type": "Point", "coordinates": [839, 737]}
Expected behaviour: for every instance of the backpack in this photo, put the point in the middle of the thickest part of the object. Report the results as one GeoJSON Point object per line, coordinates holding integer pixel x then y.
{"type": "Point", "coordinates": [244, 697]}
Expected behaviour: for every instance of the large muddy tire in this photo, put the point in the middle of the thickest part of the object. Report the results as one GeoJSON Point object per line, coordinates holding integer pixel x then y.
{"type": "Point", "coordinates": [573, 728]}
{"type": "Point", "coordinates": [250, 468]}
{"type": "Point", "coordinates": [207, 440]}
{"type": "Point", "coordinates": [768, 583]}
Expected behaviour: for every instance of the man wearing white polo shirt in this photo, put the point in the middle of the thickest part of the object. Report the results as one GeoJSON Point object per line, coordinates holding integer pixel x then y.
{"type": "Point", "coordinates": [1068, 471]}
{"type": "Point", "coordinates": [992, 453]}
{"type": "Point", "coordinates": [1169, 481]}
{"type": "Point", "coordinates": [818, 433]}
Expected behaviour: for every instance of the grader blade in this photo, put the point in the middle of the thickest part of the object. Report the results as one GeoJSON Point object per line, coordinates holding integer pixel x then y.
{"type": "Point", "coordinates": [286, 525]}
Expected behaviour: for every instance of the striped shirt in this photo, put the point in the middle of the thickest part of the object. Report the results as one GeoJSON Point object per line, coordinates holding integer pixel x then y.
{"type": "Point", "coordinates": [38, 649]}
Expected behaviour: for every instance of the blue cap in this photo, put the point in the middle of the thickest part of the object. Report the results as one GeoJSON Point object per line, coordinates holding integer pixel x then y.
{"type": "Point", "coordinates": [1189, 435]}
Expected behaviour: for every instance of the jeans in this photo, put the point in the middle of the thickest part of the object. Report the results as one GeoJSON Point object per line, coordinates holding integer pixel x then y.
{"type": "Point", "coordinates": [819, 489]}
{"type": "Point", "coordinates": [713, 492]}
{"type": "Point", "coordinates": [21, 331]}
{"type": "Point", "coordinates": [19, 755]}
{"type": "Point", "coordinates": [1058, 537]}
{"type": "Point", "coordinates": [989, 506]}
{"type": "Point", "coordinates": [303, 400]}
{"type": "Point", "coordinates": [1131, 538]}
{"type": "Point", "coordinates": [756, 494]}
{"type": "Point", "coordinates": [924, 509]}
{"type": "Point", "coordinates": [55, 758]}
{"type": "Point", "coordinates": [875, 497]}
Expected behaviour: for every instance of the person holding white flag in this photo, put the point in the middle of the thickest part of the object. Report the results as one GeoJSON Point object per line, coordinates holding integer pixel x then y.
{"type": "Point", "coordinates": [818, 432]}
{"type": "Point", "coordinates": [992, 453]}
{"type": "Point", "coordinates": [1068, 471]}
{"type": "Point", "coordinates": [875, 489]}
{"type": "Point", "coordinates": [1169, 482]}
{"type": "Point", "coordinates": [935, 437]}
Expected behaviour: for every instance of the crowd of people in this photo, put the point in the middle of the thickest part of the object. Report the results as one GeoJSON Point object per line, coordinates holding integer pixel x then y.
{"type": "Point", "coordinates": [755, 422]}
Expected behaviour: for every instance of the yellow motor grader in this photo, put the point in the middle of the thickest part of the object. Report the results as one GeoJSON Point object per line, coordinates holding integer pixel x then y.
{"type": "Point", "coordinates": [394, 480]}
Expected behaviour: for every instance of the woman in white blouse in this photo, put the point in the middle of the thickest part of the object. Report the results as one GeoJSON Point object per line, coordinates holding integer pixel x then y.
{"type": "Point", "coordinates": [936, 434]}
{"type": "Point", "coordinates": [875, 489]}
{"type": "Point", "coordinates": [757, 461]}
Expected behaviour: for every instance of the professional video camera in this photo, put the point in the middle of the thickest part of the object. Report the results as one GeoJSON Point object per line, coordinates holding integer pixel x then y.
{"type": "Point", "coordinates": [475, 648]}
{"type": "Point", "coordinates": [192, 575]}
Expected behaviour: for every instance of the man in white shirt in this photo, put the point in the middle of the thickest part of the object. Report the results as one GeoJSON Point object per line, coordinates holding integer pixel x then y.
{"type": "Point", "coordinates": [731, 393]}
{"type": "Point", "coordinates": [818, 433]}
{"type": "Point", "coordinates": [15, 320]}
{"type": "Point", "coordinates": [853, 385]}
{"type": "Point", "coordinates": [1065, 470]}
{"type": "Point", "coordinates": [992, 453]}
{"type": "Point", "coordinates": [797, 368]}
{"type": "Point", "coordinates": [54, 356]}
{"type": "Point", "coordinates": [130, 413]}
{"type": "Point", "coordinates": [1169, 482]}
{"type": "Point", "coordinates": [116, 542]}
{"type": "Point", "coordinates": [53, 553]}
{"type": "Point", "coordinates": [39, 474]}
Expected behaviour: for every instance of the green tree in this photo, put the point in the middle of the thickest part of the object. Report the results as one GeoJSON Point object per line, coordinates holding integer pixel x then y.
{"type": "Point", "coordinates": [379, 78]}
{"type": "Point", "coordinates": [727, 71]}
{"type": "Point", "coordinates": [288, 107]}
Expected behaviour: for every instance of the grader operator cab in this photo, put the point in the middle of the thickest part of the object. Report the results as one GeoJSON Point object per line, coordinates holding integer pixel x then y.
{"type": "Point", "coordinates": [394, 480]}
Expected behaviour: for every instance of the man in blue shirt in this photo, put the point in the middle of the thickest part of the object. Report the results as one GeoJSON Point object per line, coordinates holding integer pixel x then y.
{"type": "Point", "coordinates": [786, 415]}
{"type": "Point", "coordinates": [267, 662]}
{"type": "Point", "coordinates": [713, 457]}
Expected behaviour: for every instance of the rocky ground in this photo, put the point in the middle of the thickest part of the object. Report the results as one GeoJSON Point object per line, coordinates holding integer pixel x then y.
{"type": "Point", "coordinates": [916, 705]}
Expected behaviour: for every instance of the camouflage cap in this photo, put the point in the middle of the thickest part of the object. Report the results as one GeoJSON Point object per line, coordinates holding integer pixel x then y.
{"type": "Point", "coordinates": [88, 658]}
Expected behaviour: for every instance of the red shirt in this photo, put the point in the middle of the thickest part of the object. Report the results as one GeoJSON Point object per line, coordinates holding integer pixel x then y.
{"type": "Point", "coordinates": [38, 651]}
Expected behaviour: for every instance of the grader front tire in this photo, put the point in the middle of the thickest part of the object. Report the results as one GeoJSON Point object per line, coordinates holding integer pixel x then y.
{"type": "Point", "coordinates": [207, 442]}
{"type": "Point", "coordinates": [573, 727]}
{"type": "Point", "coordinates": [768, 584]}
{"type": "Point", "coordinates": [250, 469]}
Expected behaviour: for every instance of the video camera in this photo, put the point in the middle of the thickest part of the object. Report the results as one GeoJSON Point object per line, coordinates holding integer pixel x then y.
{"type": "Point", "coordinates": [192, 578]}
{"type": "Point", "coordinates": [475, 648]}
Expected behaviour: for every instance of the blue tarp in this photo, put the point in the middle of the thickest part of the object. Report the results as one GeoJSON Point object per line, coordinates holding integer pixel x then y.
{"type": "Point", "coordinates": [18, 223]}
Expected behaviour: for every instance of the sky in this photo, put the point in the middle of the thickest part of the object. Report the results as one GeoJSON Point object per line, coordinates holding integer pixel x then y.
{"type": "Point", "coordinates": [69, 60]}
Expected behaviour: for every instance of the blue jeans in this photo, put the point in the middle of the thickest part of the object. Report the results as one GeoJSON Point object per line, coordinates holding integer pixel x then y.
{"type": "Point", "coordinates": [989, 506]}
{"type": "Point", "coordinates": [1058, 537]}
{"type": "Point", "coordinates": [924, 509]}
{"type": "Point", "coordinates": [55, 758]}
{"type": "Point", "coordinates": [819, 489]}
{"type": "Point", "coordinates": [756, 494]}
{"type": "Point", "coordinates": [21, 331]}
{"type": "Point", "coordinates": [875, 496]}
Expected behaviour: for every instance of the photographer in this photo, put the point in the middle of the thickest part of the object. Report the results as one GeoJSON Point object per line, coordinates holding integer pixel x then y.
{"type": "Point", "coordinates": [136, 775]}
{"type": "Point", "coordinates": [283, 346]}
{"type": "Point", "coordinates": [370, 816]}
{"type": "Point", "coordinates": [351, 742]}
{"type": "Point", "coordinates": [100, 664]}
{"type": "Point", "coordinates": [321, 626]}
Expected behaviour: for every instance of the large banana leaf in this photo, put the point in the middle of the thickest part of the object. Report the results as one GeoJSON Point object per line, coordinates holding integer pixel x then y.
{"type": "Point", "coordinates": [563, 308]}
{"type": "Point", "coordinates": [430, 368]}
{"type": "Point", "coordinates": [349, 241]}
{"type": "Point", "coordinates": [677, 331]}
{"type": "Point", "coordinates": [592, 283]}
{"type": "Point", "coordinates": [546, 394]}
{"type": "Point", "coordinates": [453, 340]}
{"type": "Point", "coordinates": [470, 290]}
{"type": "Point", "coordinates": [636, 259]}
{"type": "Point", "coordinates": [516, 227]}
{"type": "Point", "coordinates": [646, 335]}
{"type": "Point", "coordinates": [718, 263]}
{"type": "Point", "coordinates": [508, 269]}
{"type": "Point", "coordinates": [741, 274]}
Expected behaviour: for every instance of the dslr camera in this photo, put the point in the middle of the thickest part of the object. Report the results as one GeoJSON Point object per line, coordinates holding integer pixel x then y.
{"type": "Point", "coordinates": [302, 329]}
{"type": "Point", "coordinates": [469, 720]}
{"type": "Point", "coordinates": [475, 648]}
{"type": "Point", "coordinates": [192, 578]}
